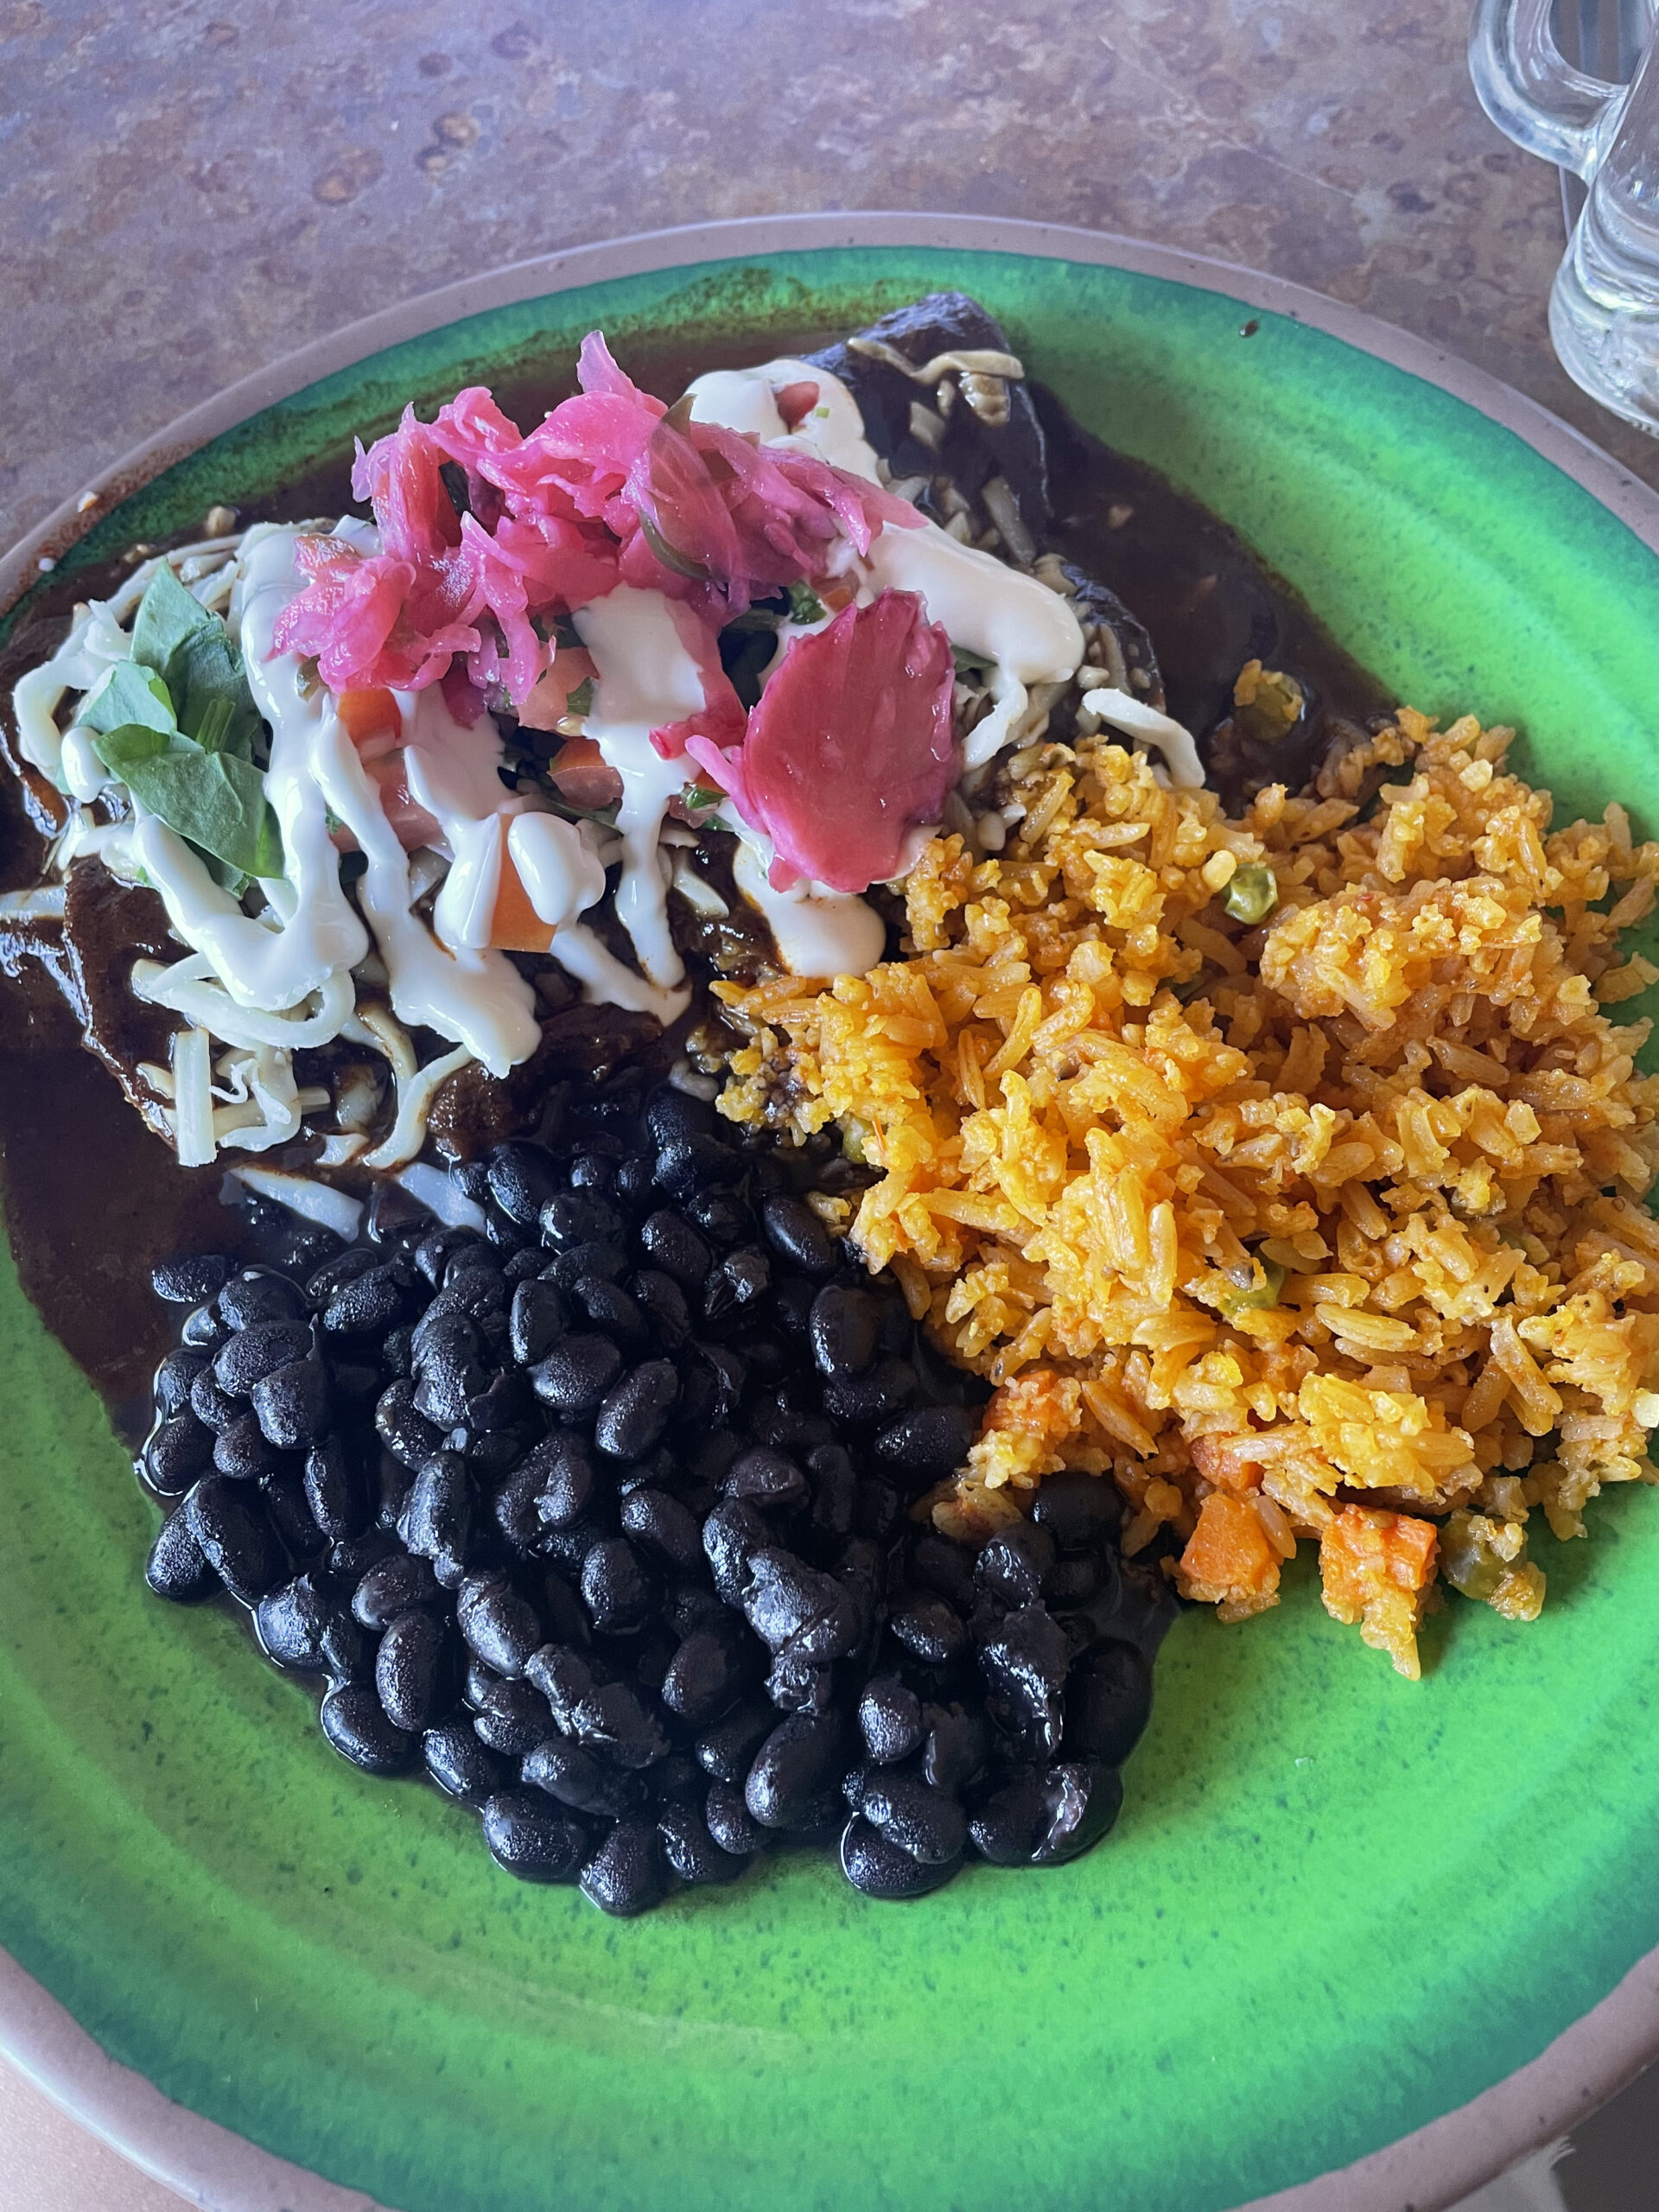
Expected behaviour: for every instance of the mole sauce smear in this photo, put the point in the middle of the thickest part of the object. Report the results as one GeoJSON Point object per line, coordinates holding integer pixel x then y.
{"type": "Point", "coordinates": [92, 1198]}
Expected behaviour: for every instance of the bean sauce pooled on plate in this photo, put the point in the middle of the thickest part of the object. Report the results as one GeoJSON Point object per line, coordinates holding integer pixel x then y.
{"type": "Point", "coordinates": [598, 1511]}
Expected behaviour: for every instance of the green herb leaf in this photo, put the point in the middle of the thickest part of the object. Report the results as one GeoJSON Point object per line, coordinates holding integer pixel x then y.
{"type": "Point", "coordinates": [580, 701]}
{"type": "Point", "coordinates": [698, 797]}
{"type": "Point", "coordinates": [216, 800]}
{"type": "Point", "coordinates": [133, 694]}
{"type": "Point", "coordinates": [804, 605]}
{"type": "Point", "coordinates": [1262, 1295]}
{"type": "Point", "coordinates": [968, 663]}
{"type": "Point", "coordinates": [192, 651]}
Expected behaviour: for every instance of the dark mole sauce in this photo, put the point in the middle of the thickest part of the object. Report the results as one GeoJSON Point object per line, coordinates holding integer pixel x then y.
{"type": "Point", "coordinates": [92, 1198]}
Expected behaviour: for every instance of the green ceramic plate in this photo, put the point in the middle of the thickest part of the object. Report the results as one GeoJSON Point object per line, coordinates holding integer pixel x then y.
{"type": "Point", "coordinates": [1337, 1905]}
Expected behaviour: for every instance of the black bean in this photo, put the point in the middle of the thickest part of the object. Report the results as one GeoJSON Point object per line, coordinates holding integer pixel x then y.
{"type": "Point", "coordinates": [835, 1489]}
{"type": "Point", "coordinates": [607, 1307]}
{"type": "Point", "coordinates": [1012, 1565]}
{"type": "Point", "coordinates": [523, 1177]}
{"type": "Point", "coordinates": [177, 1566]}
{"type": "Point", "coordinates": [392, 1587]}
{"type": "Point", "coordinates": [175, 1377]}
{"type": "Point", "coordinates": [499, 1624]}
{"type": "Point", "coordinates": [873, 1864]}
{"type": "Point", "coordinates": [672, 1116]}
{"type": "Point", "coordinates": [538, 1319]}
{"type": "Point", "coordinates": [1009, 1825]}
{"type": "Point", "coordinates": [257, 1295]}
{"type": "Point", "coordinates": [890, 1719]}
{"type": "Point", "coordinates": [511, 1716]}
{"type": "Point", "coordinates": [436, 1522]}
{"type": "Point", "coordinates": [243, 1450]}
{"type": "Point", "coordinates": [258, 1351]}
{"type": "Point", "coordinates": [433, 1253]}
{"type": "Point", "coordinates": [178, 1450]}
{"type": "Point", "coordinates": [355, 1723]}
{"type": "Point", "coordinates": [410, 1668]}
{"type": "Point", "coordinates": [691, 1164]}
{"type": "Point", "coordinates": [789, 1603]}
{"type": "Point", "coordinates": [928, 1628]}
{"type": "Point", "coordinates": [958, 1743]}
{"type": "Point", "coordinates": [722, 1217]}
{"type": "Point", "coordinates": [766, 1478]}
{"type": "Point", "coordinates": [293, 1404]}
{"type": "Point", "coordinates": [579, 1780]}
{"type": "Point", "coordinates": [1074, 1578]}
{"type": "Point", "coordinates": [690, 1850]}
{"type": "Point", "coordinates": [368, 1306]}
{"type": "Point", "coordinates": [524, 1265]}
{"type": "Point", "coordinates": [291, 1622]}
{"type": "Point", "coordinates": [461, 1766]}
{"type": "Point", "coordinates": [928, 1444]}
{"type": "Point", "coordinates": [574, 1217]}
{"type": "Point", "coordinates": [709, 1673]}
{"type": "Point", "coordinates": [797, 1761]}
{"type": "Point", "coordinates": [728, 1820]}
{"type": "Point", "coordinates": [877, 1511]}
{"type": "Point", "coordinates": [203, 1329]}
{"type": "Point", "coordinates": [189, 1278]}
{"type": "Point", "coordinates": [350, 1559]}
{"type": "Point", "coordinates": [406, 1432]}
{"type": "Point", "coordinates": [726, 1749]}
{"type": "Point", "coordinates": [1108, 1704]}
{"type": "Point", "coordinates": [529, 1839]}
{"type": "Point", "coordinates": [625, 1875]}
{"type": "Point", "coordinates": [605, 1717]}
{"type": "Point", "coordinates": [797, 1235]}
{"type": "Point", "coordinates": [1024, 1663]}
{"type": "Point", "coordinates": [842, 1327]}
{"type": "Point", "coordinates": [671, 1245]}
{"type": "Point", "coordinates": [667, 1529]}
{"type": "Point", "coordinates": [635, 1411]}
{"type": "Point", "coordinates": [333, 1276]}
{"type": "Point", "coordinates": [940, 1563]}
{"type": "Point", "coordinates": [564, 1477]}
{"type": "Point", "coordinates": [608, 1263]}
{"type": "Point", "coordinates": [616, 1589]}
{"type": "Point", "coordinates": [336, 1489]}
{"type": "Point", "coordinates": [1083, 1800]}
{"type": "Point", "coordinates": [927, 1823]}
{"type": "Point", "coordinates": [732, 1533]}
{"type": "Point", "coordinates": [739, 1282]}
{"type": "Point", "coordinates": [575, 1375]}
{"type": "Point", "coordinates": [283, 1492]}
{"type": "Point", "coordinates": [1080, 1511]}
{"type": "Point", "coordinates": [234, 1531]}
{"type": "Point", "coordinates": [798, 1683]}
{"type": "Point", "coordinates": [889, 1386]}
{"type": "Point", "coordinates": [728, 1373]}
{"type": "Point", "coordinates": [662, 1302]}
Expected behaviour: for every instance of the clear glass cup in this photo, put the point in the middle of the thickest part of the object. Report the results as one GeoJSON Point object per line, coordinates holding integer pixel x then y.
{"type": "Point", "coordinates": [1603, 305]}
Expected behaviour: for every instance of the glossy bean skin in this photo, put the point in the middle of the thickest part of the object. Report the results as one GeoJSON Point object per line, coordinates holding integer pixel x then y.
{"type": "Point", "coordinates": [605, 1521]}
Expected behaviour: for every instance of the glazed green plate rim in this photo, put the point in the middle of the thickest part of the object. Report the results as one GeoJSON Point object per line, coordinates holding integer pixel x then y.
{"type": "Point", "coordinates": [1441, 2160]}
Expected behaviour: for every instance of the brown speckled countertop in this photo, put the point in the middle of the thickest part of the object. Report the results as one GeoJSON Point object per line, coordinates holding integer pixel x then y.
{"type": "Point", "coordinates": [189, 188]}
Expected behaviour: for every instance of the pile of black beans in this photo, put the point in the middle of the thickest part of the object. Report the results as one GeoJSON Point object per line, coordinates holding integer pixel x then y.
{"type": "Point", "coordinates": [602, 1515]}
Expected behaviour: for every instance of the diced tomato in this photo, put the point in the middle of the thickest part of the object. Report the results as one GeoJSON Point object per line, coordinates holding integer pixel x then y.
{"type": "Point", "coordinates": [836, 593]}
{"type": "Point", "coordinates": [796, 402]}
{"type": "Point", "coordinates": [516, 926]}
{"type": "Point", "coordinates": [548, 696]}
{"type": "Point", "coordinates": [584, 775]}
{"type": "Point", "coordinates": [409, 820]}
{"type": "Point", "coordinates": [371, 719]}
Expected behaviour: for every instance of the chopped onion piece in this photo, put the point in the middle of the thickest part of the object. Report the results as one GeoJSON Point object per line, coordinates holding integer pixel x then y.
{"type": "Point", "coordinates": [188, 988]}
{"type": "Point", "coordinates": [430, 1187]}
{"type": "Point", "coordinates": [193, 1090]}
{"type": "Point", "coordinates": [312, 1201]}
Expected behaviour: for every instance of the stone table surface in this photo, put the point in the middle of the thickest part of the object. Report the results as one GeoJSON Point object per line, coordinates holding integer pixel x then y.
{"type": "Point", "coordinates": [191, 189]}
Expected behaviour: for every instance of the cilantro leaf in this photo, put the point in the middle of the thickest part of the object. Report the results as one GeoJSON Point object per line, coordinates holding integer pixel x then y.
{"type": "Point", "coordinates": [132, 695]}
{"type": "Point", "coordinates": [580, 701]}
{"type": "Point", "coordinates": [193, 653]}
{"type": "Point", "coordinates": [216, 800]}
{"type": "Point", "coordinates": [970, 663]}
{"type": "Point", "coordinates": [804, 605]}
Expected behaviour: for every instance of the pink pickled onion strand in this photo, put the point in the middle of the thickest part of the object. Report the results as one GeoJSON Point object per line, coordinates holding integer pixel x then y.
{"type": "Point", "coordinates": [722, 721]}
{"type": "Point", "coordinates": [850, 747]}
{"type": "Point", "coordinates": [556, 521]}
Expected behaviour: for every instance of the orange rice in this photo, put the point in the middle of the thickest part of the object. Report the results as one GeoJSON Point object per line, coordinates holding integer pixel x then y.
{"type": "Point", "coordinates": [1326, 1230]}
